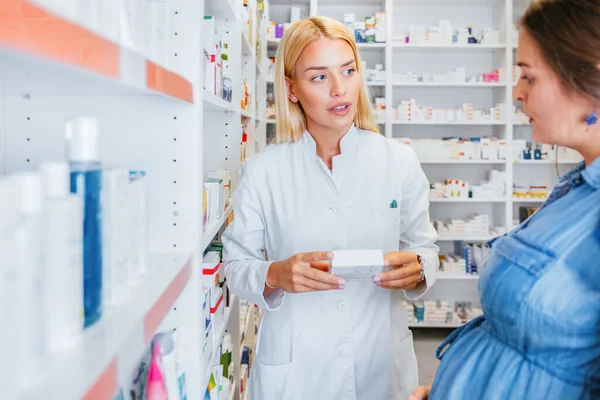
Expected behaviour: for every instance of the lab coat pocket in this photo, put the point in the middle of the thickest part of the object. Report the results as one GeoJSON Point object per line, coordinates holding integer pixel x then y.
{"type": "Point", "coordinates": [405, 378]}
{"type": "Point", "coordinates": [387, 223]}
{"type": "Point", "coordinates": [274, 346]}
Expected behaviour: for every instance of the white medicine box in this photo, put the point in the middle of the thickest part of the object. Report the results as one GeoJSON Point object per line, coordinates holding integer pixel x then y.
{"type": "Point", "coordinates": [211, 265]}
{"type": "Point", "coordinates": [357, 264]}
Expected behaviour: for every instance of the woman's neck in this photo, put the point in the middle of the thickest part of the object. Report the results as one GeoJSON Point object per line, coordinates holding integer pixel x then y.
{"type": "Point", "coordinates": [328, 142]}
{"type": "Point", "coordinates": [590, 148]}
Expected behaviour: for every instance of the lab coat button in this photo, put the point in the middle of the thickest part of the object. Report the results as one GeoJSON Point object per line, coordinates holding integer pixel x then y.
{"type": "Point", "coordinates": [335, 208]}
{"type": "Point", "coordinates": [342, 306]}
{"type": "Point", "coordinates": [345, 353]}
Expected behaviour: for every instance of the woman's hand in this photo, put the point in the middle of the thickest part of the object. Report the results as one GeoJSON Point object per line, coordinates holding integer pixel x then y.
{"type": "Point", "coordinates": [406, 271]}
{"type": "Point", "coordinates": [420, 393]}
{"type": "Point", "coordinates": [304, 272]}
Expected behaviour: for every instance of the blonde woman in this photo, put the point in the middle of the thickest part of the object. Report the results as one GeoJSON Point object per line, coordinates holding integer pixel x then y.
{"type": "Point", "coordinates": [331, 182]}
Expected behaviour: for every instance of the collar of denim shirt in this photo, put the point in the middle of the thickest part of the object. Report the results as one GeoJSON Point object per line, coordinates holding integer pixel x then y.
{"type": "Point", "coordinates": [591, 174]}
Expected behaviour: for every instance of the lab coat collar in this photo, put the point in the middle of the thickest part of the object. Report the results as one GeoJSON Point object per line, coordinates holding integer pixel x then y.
{"type": "Point", "coordinates": [346, 144]}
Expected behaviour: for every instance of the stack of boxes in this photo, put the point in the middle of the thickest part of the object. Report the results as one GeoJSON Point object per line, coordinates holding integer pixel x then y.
{"type": "Point", "coordinates": [216, 196]}
{"type": "Point", "coordinates": [411, 110]}
{"type": "Point", "coordinates": [475, 148]}
{"type": "Point", "coordinates": [217, 80]}
{"type": "Point", "coordinates": [444, 34]}
{"type": "Point", "coordinates": [371, 30]}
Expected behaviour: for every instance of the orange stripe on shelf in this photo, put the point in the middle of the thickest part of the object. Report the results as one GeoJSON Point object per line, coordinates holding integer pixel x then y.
{"type": "Point", "coordinates": [163, 305]}
{"type": "Point", "coordinates": [29, 28]}
{"type": "Point", "coordinates": [167, 82]}
{"type": "Point", "coordinates": [106, 385]}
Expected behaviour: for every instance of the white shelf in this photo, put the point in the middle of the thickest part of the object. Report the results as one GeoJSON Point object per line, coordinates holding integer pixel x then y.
{"type": "Point", "coordinates": [214, 103]}
{"type": "Point", "coordinates": [457, 277]}
{"type": "Point", "coordinates": [474, 85]}
{"type": "Point", "coordinates": [464, 239]}
{"type": "Point", "coordinates": [132, 325]}
{"type": "Point", "coordinates": [246, 47]}
{"type": "Point", "coordinates": [213, 229]}
{"type": "Point", "coordinates": [453, 47]}
{"type": "Point", "coordinates": [467, 162]}
{"type": "Point", "coordinates": [546, 162]}
{"type": "Point", "coordinates": [244, 331]}
{"type": "Point", "coordinates": [434, 325]}
{"type": "Point", "coordinates": [370, 45]}
{"type": "Point", "coordinates": [78, 61]}
{"type": "Point", "coordinates": [246, 114]}
{"type": "Point", "coordinates": [467, 200]}
{"type": "Point", "coordinates": [376, 84]}
{"type": "Point", "coordinates": [528, 201]}
{"type": "Point", "coordinates": [222, 9]}
{"type": "Point", "coordinates": [459, 123]}
{"type": "Point", "coordinates": [270, 121]}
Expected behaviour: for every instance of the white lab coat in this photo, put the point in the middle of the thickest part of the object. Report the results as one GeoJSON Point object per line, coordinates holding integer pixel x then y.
{"type": "Point", "coordinates": [342, 344]}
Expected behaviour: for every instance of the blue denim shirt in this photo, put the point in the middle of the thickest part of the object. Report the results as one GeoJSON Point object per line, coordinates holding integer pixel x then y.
{"type": "Point", "coordinates": [539, 337]}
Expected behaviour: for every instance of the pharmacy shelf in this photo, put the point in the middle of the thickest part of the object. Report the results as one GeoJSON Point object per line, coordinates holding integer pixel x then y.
{"type": "Point", "coordinates": [467, 200]}
{"type": "Point", "coordinates": [214, 103]}
{"type": "Point", "coordinates": [464, 239]}
{"type": "Point", "coordinates": [270, 121]}
{"type": "Point", "coordinates": [232, 390]}
{"type": "Point", "coordinates": [466, 162]}
{"type": "Point", "coordinates": [435, 325]}
{"type": "Point", "coordinates": [246, 46]}
{"type": "Point", "coordinates": [456, 277]}
{"type": "Point", "coordinates": [245, 327]}
{"type": "Point", "coordinates": [91, 369]}
{"type": "Point", "coordinates": [376, 84]}
{"type": "Point", "coordinates": [545, 162]}
{"type": "Point", "coordinates": [77, 60]}
{"type": "Point", "coordinates": [474, 85]}
{"type": "Point", "coordinates": [454, 47]}
{"type": "Point", "coordinates": [223, 9]}
{"type": "Point", "coordinates": [370, 45]}
{"type": "Point", "coordinates": [528, 201]}
{"type": "Point", "coordinates": [220, 334]}
{"type": "Point", "coordinates": [214, 228]}
{"type": "Point", "coordinates": [246, 114]}
{"type": "Point", "coordinates": [459, 123]}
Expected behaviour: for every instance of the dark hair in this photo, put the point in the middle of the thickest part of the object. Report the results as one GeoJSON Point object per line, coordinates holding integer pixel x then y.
{"type": "Point", "coordinates": [568, 34]}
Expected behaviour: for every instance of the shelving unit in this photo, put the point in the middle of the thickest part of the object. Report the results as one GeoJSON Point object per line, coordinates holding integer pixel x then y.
{"type": "Point", "coordinates": [156, 116]}
{"type": "Point", "coordinates": [399, 57]}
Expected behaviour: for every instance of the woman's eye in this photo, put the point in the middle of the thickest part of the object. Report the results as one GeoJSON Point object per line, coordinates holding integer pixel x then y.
{"type": "Point", "coordinates": [318, 78]}
{"type": "Point", "coordinates": [349, 71]}
{"type": "Point", "coordinates": [526, 78]}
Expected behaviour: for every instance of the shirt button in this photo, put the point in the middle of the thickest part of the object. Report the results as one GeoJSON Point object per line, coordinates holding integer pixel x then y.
{"type": "Point", "coordinates": [345, 354]}
{"type": "Point", "coordinates": [578, 181]}
{"type": "Point", "coordinates": [335, 208]}
{"type": "Point", "coordinates": [342, 306]}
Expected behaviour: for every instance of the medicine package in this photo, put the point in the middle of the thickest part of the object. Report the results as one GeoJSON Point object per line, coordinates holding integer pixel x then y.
{"type": "Point", "coordinates": [357, 264]}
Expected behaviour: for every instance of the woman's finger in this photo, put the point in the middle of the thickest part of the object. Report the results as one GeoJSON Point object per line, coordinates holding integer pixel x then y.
{"type": "Point", "coordinates": [313, 285]}
{"type": "Point", "coordinates": [420, 393]}
{"type": "Point", "coordinates": [323, 277]}
{"type": "Point", "coordinates": [406, 283]}
{"type": "Point", "coordinates": [400, 273]}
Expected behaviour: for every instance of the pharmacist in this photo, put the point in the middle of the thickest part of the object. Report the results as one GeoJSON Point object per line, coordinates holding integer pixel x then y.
{"type": "Point", "coordinates": [331, 183]}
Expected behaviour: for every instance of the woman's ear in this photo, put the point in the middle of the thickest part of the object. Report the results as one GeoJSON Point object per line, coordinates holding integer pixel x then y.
{"type": "Point", "coordinates": [290, 91]}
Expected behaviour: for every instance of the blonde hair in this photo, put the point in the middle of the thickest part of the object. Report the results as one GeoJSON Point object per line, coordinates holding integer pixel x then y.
{"type": "Point", "coordinates": [291, 121]}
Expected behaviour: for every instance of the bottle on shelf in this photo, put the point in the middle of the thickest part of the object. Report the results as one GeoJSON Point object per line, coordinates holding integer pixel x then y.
{"type": "Point", "coordinates": [86, 181]}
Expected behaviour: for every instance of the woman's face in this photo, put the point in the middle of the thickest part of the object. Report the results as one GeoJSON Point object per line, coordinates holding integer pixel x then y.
{"type": "Point", "coordinates": [557, 114]}
{"type": "Point", "coordinates": [327, 85]}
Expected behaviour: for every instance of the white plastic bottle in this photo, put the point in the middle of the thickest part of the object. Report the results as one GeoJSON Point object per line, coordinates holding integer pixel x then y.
{"type": "Point", "coordinates": [30, 330]}
{"type": "Point", "coordinates": [62, 243]}
{"type": "Point", "coordinates": [8, 286]}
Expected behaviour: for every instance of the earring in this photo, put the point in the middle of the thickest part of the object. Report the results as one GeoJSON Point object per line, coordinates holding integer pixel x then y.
{"type": "Point", "coordinates": [591, 119]}
{"type": "Point", "coordinates": [294, 98]}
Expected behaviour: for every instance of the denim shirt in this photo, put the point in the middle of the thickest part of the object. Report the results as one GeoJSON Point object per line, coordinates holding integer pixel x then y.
{"type": "Point", "coordinates": [539, 337]}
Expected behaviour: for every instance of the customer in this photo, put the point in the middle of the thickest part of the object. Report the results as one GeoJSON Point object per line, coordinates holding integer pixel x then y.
{"type": "Point", "coordinates": [331, 182]}
{"type": "Point", "coordinates": [540, 290]}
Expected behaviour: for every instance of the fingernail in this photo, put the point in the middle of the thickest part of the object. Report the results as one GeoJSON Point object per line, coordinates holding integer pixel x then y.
{"type": "Point", "coordinates": [330, 255]}
{"type": "Point", "coordinates": [377, 279]}
{"type": "Point", "coordinates": [386, 263]}
{"type": "Point", "coordinates": [342, 287]}
{"type": "Point", "coordinates": [342, 282]}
